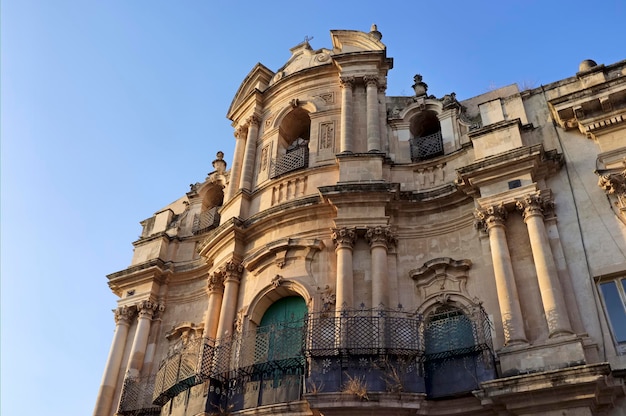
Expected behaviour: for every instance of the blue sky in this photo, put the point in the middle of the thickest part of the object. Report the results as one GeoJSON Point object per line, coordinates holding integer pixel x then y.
{"type": "Point", "coordinates": [110, 109]}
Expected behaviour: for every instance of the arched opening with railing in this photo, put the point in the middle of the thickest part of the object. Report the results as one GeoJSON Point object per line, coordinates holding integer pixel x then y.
{"type": "Point", "coordinates": [426, 139]}
{"type": "Point", "coordinates": [458, 352]}
{"type": "Point", "coordinates": [293, 143]}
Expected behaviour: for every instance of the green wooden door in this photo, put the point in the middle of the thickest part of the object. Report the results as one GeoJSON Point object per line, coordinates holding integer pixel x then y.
{"type": "Point", "coordinates": [280, 333]}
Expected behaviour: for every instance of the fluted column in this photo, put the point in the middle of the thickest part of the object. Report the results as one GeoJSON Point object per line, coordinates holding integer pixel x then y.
{"type": "Point", "coordinates": [380, 239]}
{"type": "Point", "coordinates": [532, 207]}
{"type": "Point", "coordinates": [215, 288]}
{"type": "Point", "coordinates": [344, 239]}
{"type": "Point", "coordinates": [231, 271]}
{"type": "Point", "coordinates": [104, 400]}
{"type": "Point", "coordinates": [373, 127]}
{"type": "Point", "coordinates": [247, 171]}
{"type": "Point", "coordinates": [346, 114]}
{"type": "Point", "coordinates": [146, 310]}
{"type": "Point", "coordinates": [235, 171]}
{"type": "Point", "coordinates": [492, 220]}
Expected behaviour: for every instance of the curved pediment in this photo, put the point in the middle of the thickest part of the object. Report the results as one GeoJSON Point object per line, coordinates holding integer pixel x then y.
{"type": "Point", "coordinates": [258, 79]}
{"type": "Point", "coordinates": [346, 41]}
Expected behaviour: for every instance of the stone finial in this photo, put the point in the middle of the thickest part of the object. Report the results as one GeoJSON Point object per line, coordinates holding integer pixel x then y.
{"type": "Point", "coordinates": [375, 33]}
{"type": "Point", "coordinates": [219, 164]}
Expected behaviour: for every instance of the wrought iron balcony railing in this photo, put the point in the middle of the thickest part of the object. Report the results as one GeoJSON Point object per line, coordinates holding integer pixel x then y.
{"type": "Point", "coordinates": [136, 397]}
{"type": "Point", "coordinates": [295, 159]}
{"type": "Point", "coordinates": [178, 372]}
{"type": "Point", "coordinates": [205, 221]}
{"type": "Point", "coordinates": [426, 147]}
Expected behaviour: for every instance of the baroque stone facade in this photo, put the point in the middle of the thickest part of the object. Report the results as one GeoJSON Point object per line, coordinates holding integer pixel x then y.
{"type": "Point", "coordinates": [400, 255]}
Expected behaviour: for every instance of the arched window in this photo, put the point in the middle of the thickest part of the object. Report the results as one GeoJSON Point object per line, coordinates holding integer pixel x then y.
{"type": "Point", "coordinates": [293, 149]}
{"type": "Point", "coordinates": [453, 357]}
{"type": "Point", "coordinates": [426, 141]}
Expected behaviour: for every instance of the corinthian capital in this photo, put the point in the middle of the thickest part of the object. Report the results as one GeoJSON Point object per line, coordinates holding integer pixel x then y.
{"type": "Point", "coordinates": [380, 236]}
{"type": "Point", "coordinates": [147, 308]}
{"type": "Point", "coordinates": [533, 204]}
{"type": "Point", "coordinates": [240, 132]}
{"type": "Point", "coordinates": [253, 120]}
{"type": "Point", "coordinates": [123, 315]}
{"type": "Point", "coordinates": [370, 80]}
{"type": "Point", "coordinates": [346, 82]}
{"type": "Point", "coordinates": [492, 216]}
{"type": "Point", "coordinates": [345, 237]}
{"type": "Point", "coordinates": [216, 282]}
{"type": "Point", "coordinates": [232, 270]}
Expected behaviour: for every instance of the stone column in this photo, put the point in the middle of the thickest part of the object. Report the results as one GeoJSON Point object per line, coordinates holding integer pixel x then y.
{"type": "Point", "coordinates": [232, 275]}
{"type": "Point", "coordinates": [146, 309]}
{"type": "Point", "coordinates": [235, 171]}
{"type": "Point", "coordinates": [215, 289]}
{"type": "Point", "coordinates": [380, 239]}
{"type": "Point", "coordinates": [532, 207]}
{"type": "Point", "coordinates": [104, 400]}
{"type": "Point", "coordinates": [344, 239]}
{"type": "Point", "coordinates": [492, 220]}
{"type": "Point", "coordinates": [373, 128]}
{"type": "Point", "coordinates": [247, 170]}
{"type": "Point", "coordinates": [346, 114]}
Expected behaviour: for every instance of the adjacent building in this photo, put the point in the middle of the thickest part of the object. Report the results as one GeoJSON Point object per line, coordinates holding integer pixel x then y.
{"type": "Point", "coordinates": [374, 254]}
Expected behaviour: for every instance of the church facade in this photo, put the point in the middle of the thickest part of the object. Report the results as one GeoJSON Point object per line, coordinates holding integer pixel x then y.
{"type": "Point", "coordinates": [365, 253]}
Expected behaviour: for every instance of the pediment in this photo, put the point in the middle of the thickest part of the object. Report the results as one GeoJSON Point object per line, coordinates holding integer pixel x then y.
{"type": "Point", "coordinates": [346, 41]}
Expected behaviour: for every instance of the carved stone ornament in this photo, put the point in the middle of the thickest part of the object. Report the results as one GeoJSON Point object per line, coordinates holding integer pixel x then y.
{"type": "Point", "coordinates": [328, 298]}
{"type": "Point", "coordinates": [490, 216]}
{"type": "Point", "coordinates": [533, 204]}
{"type": "Point", "coordinates": [380, 236]}
{"type": "Point", "coordinates": [277, 281]}
{"type": "Point", "coordinates": [241, 314]}
{"type": "Point", "coordinates": [240, 132]}
{"type": "Point", "coordinates": [344, 237]}
{"type": "Point", "coordinates": [613, 183]}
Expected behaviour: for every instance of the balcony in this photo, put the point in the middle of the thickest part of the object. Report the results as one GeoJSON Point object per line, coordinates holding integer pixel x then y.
{"type": "Point", "coordinates": [382, 351]}
{"type": "Point", "coordinates": [426, 147]}
{"type": "Point", "coordinates": [205, 221]}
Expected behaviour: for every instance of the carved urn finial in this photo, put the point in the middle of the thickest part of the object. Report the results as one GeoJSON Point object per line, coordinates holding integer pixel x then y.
{"type": "Point", "coordinates": [419, 86]}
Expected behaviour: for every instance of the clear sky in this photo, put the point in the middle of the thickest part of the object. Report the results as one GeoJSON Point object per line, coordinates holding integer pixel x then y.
{"type": "Point", "coordinates": [110, 109]}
